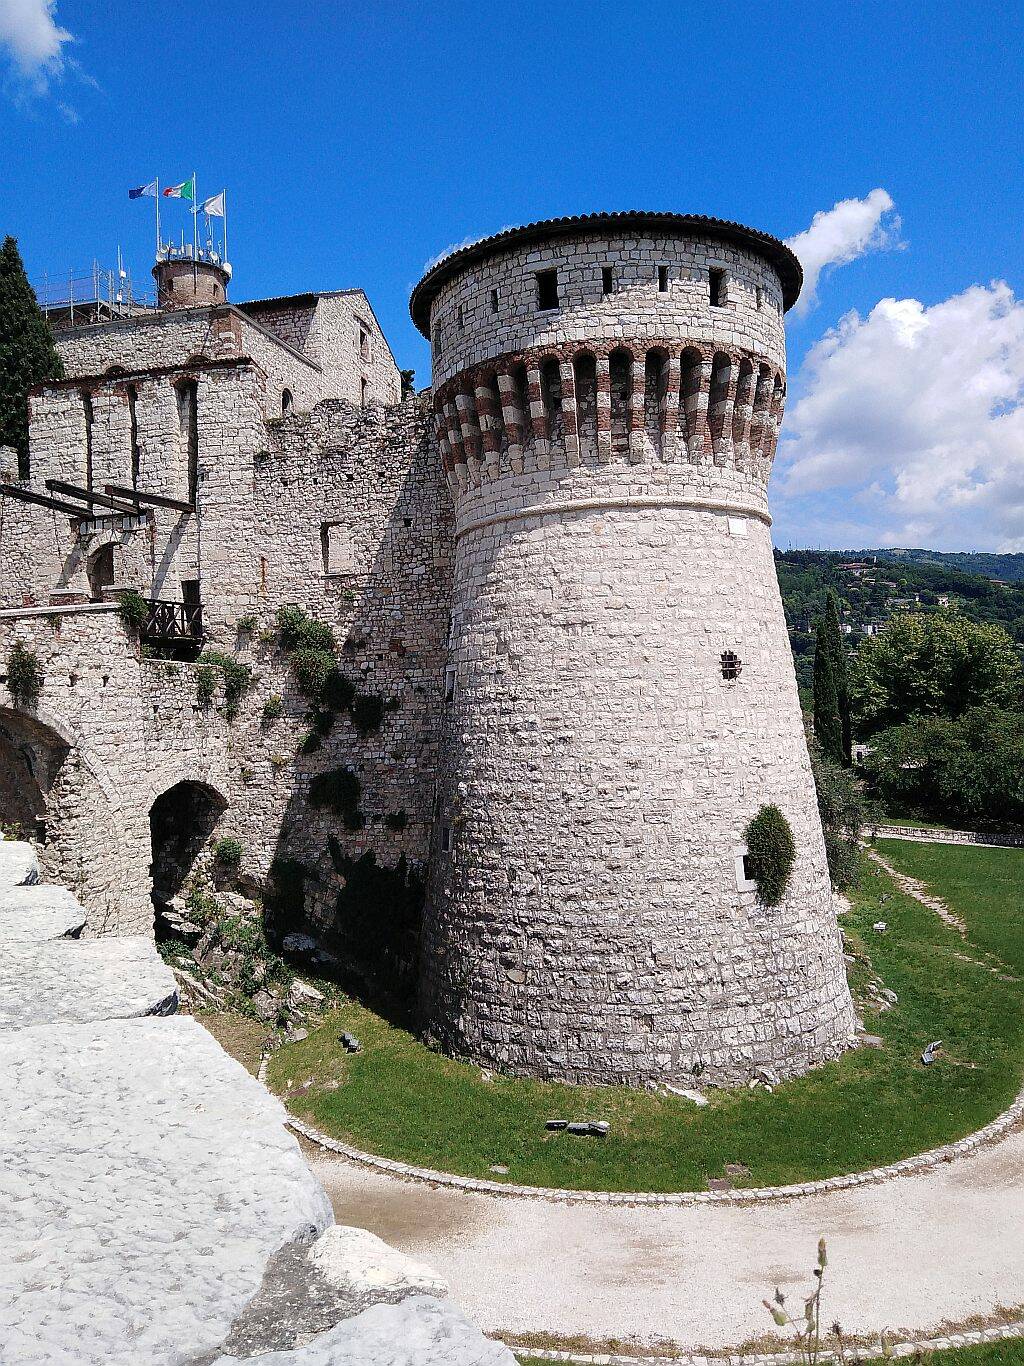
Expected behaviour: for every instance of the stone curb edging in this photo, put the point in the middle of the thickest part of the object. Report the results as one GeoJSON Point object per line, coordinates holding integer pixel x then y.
{"type": "Point", "coordinates": [921, 834]}
{"type": "Point", "coordinates": [908, 1166]}
{"type": "Point", "coordinates": [977, 1337]}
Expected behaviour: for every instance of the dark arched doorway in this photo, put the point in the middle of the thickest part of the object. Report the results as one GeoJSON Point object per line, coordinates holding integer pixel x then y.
{"type": "Point", "coordinates": [181, 823]}
{"type": "Point", "coordinates": [100, 571]}
{"type": "Point", "coordinates": [31, 756]}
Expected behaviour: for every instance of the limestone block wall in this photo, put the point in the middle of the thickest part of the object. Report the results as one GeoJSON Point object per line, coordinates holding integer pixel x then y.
{"type": "Point", "coordinates": [621, 696]}
{"type": "Point", "coordinates": [113, 731]}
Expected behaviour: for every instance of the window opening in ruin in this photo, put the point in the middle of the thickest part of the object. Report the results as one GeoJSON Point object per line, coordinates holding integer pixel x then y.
{"type": "Point", "coordinates": [663, 279]}
{"type": "Point", "coordinates": [494, 301]}
{"type": "Point", "coordinates": [133, 422]}
{"type": "Point", "coordinates": [100, 571]}
{"type": "Point", "coordinates": [547, 290]}
{"type": "Point", "coordinates": [363, 388]}
{"type": "Point", "coordinates": [337, 549]}
{"type": "Point", "coordinates": [759, 294]}
{"type": "Point", "coordinates": [187, 395]}
{"type": "Point", "coordinates": [717, 288]}
{"type": "Point", "coordinates": [748, 868]}
{"type": "Point", "coordinates": [620, 375]}
{"type": "Point", "coordinates": [364, 343]}
{"type": "Point", "coordinates": [607, 280]}
{"type": "Point", "coordinates": [446, 839]}
{"type": "Point", "coordinates": [182, 821]}
{"type": "Point", "coordinates": [731, 666]}
{"type": "Point", "coordinates": [88, 410]}
{"type": "Point", "coordinates": [286, 402]}
{"type": "Point", "coordinates": [449, 684]}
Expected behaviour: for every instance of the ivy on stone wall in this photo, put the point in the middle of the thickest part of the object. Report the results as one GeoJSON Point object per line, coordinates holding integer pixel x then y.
{"type": "Point", "coordinates": [24, 675]}
{"type": "Point", "coordinates": [238, 679]}
{"type": "Point", "coordinates": [770, 853]}
{"type": "Point", "coordinates": [312, 651]}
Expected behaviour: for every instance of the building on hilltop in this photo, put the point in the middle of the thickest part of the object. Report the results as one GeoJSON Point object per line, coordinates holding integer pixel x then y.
{"type": "Point", "coordinates": [563, 684]}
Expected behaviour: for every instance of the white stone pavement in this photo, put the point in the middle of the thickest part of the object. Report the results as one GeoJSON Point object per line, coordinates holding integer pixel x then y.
{"type": "Point", "coordinates": [153, 1206]}
{"type": "Point", "coordinates": [909, 1256]}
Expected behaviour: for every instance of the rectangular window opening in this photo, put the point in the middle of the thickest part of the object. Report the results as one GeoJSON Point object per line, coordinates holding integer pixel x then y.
{"type": "Point", "coordinates": [663, 279]}
{"type": "Point", "coordinates": [449, 685]}
{"type": "Point", "coordinates": [717, 288]}
{"type": "Point", "coordinates": [607, 280]}
{"type": "Point", "coordinates": [462, 318]}
{"type": "Point", "coordinates": [494, 301]}
{"type": "Point", "coordinates": [547, 290]}
{"type": "Point", "coordinates": [446, 839]}
{"type": "Point", "coordinates": [364, 343]}
{"type": "Point", "coordinates": [760, 297]}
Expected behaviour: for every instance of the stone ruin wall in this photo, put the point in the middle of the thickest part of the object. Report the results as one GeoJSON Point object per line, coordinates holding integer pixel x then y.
{"type": "Point", "coordinates": [361, 485]}
{"type": "Point", "coordinates": [589, 918]}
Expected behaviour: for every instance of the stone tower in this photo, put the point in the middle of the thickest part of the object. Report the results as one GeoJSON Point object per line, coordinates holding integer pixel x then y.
{"type": "Point", "coordinates": [184, 281]}
{"type": "Point", "coordinates": [620, 699]}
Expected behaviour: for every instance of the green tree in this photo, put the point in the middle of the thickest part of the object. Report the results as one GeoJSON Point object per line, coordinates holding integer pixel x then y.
{"type": "Point", "coordinates": [840, 671]}
{"type": "Point", "coordinates": [933, 665]}
{"type": "Point", "coordinates": [828, 725]}
{"type": "Point", "coordinates": [844, 810]}
{"type": "Point", "coordinates": [967, 769]}
{"type": "Point", "coordinates": [27, 352]}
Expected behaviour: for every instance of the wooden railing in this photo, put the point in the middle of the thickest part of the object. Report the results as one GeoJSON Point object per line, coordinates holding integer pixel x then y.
{"type": "Point", "coordinates": [171, 623]}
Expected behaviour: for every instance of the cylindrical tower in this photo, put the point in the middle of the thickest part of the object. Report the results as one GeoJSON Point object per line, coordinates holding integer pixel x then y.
{"type": "Point", "coordinates": [190, 282]}
{"type": "Point", "coordinates": [620, 694]}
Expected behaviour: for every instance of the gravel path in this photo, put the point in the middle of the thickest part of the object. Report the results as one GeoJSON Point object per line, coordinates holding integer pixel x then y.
{"type": "Point", "coordinates": [909, 1255]}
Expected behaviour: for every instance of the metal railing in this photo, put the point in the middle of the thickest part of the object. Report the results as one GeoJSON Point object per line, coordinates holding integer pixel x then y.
{"type": "Point", "coordinates": [172, 622]}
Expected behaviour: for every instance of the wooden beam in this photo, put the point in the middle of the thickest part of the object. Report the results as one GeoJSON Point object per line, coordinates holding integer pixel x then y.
{"type": "Point", "coordinates": [157, 499]}
{"type": "Point", "coordinates": [12, 489]}
{"type": "Point", "coordinates": [90, 496]}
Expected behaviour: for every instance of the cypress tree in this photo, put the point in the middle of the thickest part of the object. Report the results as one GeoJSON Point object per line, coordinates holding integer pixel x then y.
{"type": "Point", "coordinates": [839, 671]}
{"type": "Point", "coordinates": [27, 352]}
{"type": "Point", "coordinates": [828, 726]}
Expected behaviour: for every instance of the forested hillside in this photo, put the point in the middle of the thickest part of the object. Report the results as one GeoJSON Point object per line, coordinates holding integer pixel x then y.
{"type": "Point", "coordinates": [872, 586]}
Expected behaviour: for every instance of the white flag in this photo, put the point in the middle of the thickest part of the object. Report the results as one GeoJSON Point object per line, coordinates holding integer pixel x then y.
{"type": "Point", "coordinates": [214, 207]}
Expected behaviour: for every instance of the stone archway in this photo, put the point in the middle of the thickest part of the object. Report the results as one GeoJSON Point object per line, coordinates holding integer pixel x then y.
{"type": "Point", "coordinates": [32, 754]}
{"type": "Point", "coordinates": [182, 821]}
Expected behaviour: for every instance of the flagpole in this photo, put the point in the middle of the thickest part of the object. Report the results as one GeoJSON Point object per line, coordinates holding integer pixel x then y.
{"type": "Point", "coordinates": [157, 203]}
{"type": "Point", "coordinates": [227, 258]}
{"type": "Point", "coordinates": [195, 237]}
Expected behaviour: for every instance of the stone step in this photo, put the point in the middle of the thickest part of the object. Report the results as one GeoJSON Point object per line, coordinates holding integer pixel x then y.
{"type": "Point", "coordinates": [18, 863]}
{"type": "Point", "coordinates": [63, 981]}
{"type": "Point", "coordinates": [38, 911]}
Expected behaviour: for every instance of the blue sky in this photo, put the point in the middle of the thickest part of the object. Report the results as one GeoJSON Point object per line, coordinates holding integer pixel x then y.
{"type": "Point", "coordinates": [356, 142]}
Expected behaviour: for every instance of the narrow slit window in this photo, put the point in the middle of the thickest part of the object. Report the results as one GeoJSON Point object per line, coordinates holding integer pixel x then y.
{"type": "Point", "coordinates": [717, 288]}
{"type": "Point", "coordinates": [759, 292]}
{"type": "Point", "coordinates": [607, 280]}
{"type": "Point", "coordinates": [286, 402]}
{"type": "Point", "coordinates": [363, 390]}
{"type": "Point", "coordinates": [364, 343]}
{"type": "Point", "coordinates": [446, 839]}
{"type": "Point", "coordinates": [449, 685]}
{"type": "Point", "coordinates": [462, 318]}
{"type": "Point", "coordinates": [494, 301]}
{"type": "Point", "coordinates": [547, 290]}
{"type": "Point", "coordinates": [133, 423]}
{"type": "Point", "coordinates": [663, 279]}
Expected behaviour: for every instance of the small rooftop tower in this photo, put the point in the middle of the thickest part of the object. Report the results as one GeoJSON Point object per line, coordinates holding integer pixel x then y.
{"type": "Point", "coordinates": [185, 279]}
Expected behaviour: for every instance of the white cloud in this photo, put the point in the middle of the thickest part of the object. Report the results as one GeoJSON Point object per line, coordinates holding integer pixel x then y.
{"type": "Point", "coordinates": [839, 235]}
{"type": "Point", "coordinates": [34, 40]}
{"type": "Point", "coordinates": [909, 424]}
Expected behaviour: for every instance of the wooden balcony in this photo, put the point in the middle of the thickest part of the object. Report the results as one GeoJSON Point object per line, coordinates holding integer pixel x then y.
{"type": "Point", "coordinates": [173, 625]}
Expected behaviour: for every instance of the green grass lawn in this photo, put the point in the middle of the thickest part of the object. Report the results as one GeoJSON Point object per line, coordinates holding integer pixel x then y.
{"type": "Point", "coordinates": [985, 886]}
{"type": "Point", "coordinates": [871, 1107]}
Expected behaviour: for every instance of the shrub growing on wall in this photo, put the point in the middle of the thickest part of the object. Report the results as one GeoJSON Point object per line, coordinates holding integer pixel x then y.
{"type": "Point", "coordinates": [133, 609]}
{"type": "Point", "coordinates": [771, 853]}
{"type": "Point", "coordinates": [237, 680]}
{"type": "Point", "coordinates": [228, 852]}
{"type": "Point", "coordinates": [24, 675]}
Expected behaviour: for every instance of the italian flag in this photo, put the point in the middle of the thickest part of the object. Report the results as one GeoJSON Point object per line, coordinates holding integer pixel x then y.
{"type": "Point", "coordinates": [186, 190]}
